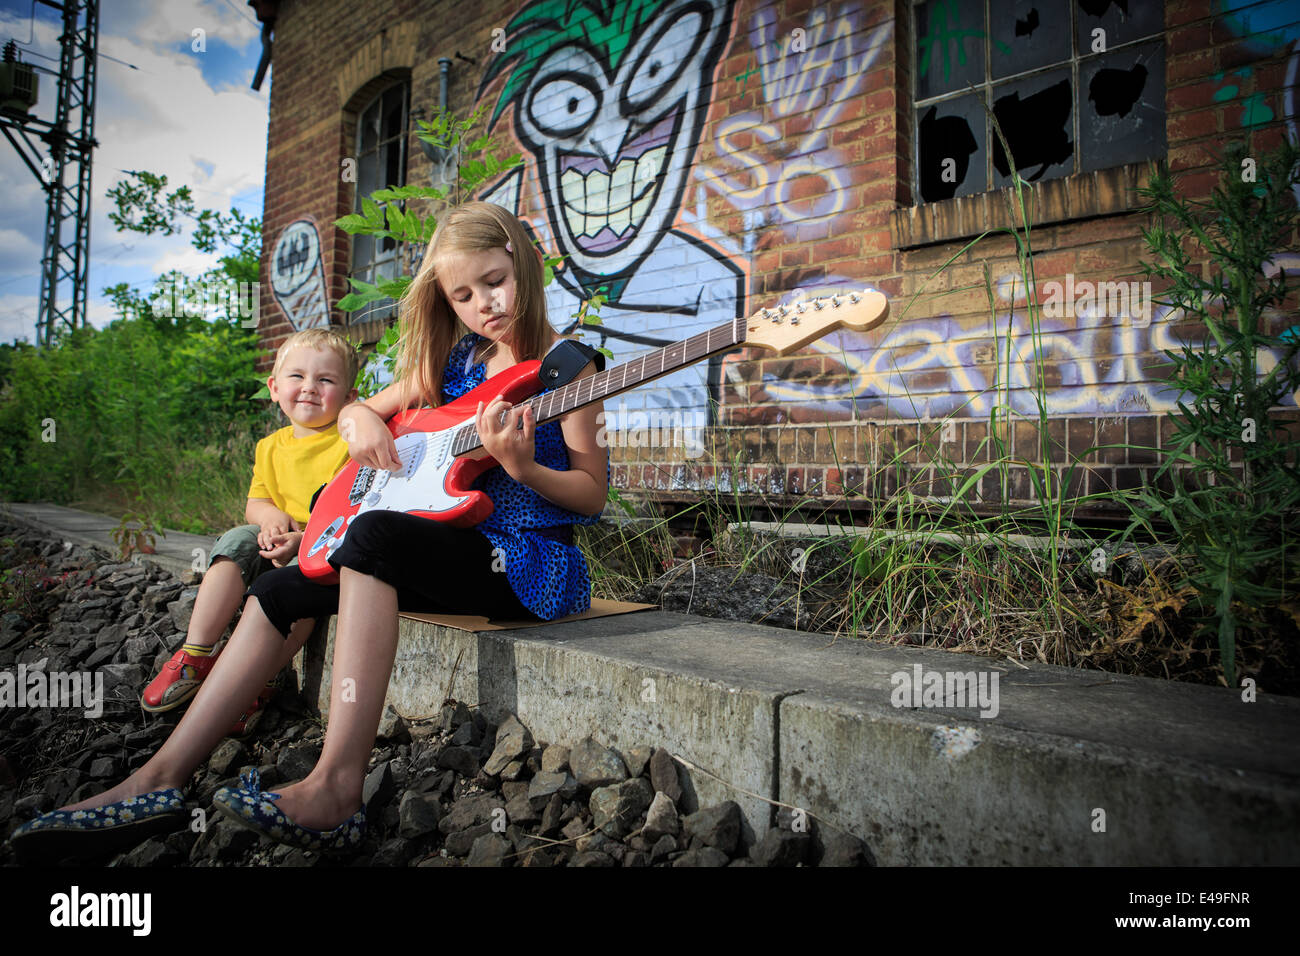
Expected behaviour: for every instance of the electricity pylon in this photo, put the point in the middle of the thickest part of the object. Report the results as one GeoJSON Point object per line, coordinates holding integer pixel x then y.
{"type": "Point", "coordinates": [69, 142]}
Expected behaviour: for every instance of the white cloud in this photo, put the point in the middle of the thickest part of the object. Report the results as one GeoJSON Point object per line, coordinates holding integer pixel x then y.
{"type": "Point", "coordinates": [172, 21]}
{"type": "Point", "coordinates": [19, 252]}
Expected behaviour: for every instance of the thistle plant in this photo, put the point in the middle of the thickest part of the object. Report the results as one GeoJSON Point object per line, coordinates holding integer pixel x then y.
{"type": "Point", "coordinates": [1228, 483]}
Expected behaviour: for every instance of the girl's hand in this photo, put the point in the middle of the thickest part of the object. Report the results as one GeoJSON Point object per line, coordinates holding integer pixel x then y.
{"type": "Point", "coordinates": [370, 443]}
{"type": "Point", "coordinates": [507, 433]}
{"type": "Point", "coordinates": [282, 547]}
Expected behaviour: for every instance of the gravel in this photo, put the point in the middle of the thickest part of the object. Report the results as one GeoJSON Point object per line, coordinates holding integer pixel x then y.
{"type": "Point", "coordinates": [452, 790]}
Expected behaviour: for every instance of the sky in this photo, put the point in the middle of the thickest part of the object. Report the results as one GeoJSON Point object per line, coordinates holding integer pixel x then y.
{"type": "Point", "coordinates": [189, 115]}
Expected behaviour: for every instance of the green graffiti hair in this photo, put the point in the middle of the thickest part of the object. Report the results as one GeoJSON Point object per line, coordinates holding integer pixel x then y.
{"type": "Point", "coordinates": [607, 29]}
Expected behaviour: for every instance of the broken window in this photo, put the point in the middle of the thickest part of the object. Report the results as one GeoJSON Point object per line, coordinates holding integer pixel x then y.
{"type": "Point", "coordinates": [1075, 85]}
{"type": "Point", "coordinates": [381, 162]}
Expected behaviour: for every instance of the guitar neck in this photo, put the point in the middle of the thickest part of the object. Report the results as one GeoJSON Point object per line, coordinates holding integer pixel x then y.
{"type": "Point", "coordinates": [622, 378]}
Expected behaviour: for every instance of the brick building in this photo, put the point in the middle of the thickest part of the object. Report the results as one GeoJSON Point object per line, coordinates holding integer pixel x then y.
{"type": "Point", "coordinates": [703, 159]}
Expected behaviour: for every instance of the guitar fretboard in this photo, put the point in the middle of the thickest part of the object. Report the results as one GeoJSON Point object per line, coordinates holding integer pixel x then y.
{"type": "Point", "coordinates": [551, 405]}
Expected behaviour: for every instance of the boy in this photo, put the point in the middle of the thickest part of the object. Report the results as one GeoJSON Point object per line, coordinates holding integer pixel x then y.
{"type": "Point", "coordinates": [311, 380]}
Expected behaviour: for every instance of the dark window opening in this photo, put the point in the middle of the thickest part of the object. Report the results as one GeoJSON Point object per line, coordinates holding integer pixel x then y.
{"type": "Point", "coordinates": [1075, 85]}
{"type": "Point", "coordinates": [381, 144]}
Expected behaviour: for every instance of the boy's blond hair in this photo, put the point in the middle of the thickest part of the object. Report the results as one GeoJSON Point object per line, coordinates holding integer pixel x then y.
{"type": "Point", "coordinates": [326, 339]}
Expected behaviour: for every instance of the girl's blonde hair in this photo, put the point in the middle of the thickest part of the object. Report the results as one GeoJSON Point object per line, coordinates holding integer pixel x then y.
{"type": "Point", "coordinates": [429, 326]}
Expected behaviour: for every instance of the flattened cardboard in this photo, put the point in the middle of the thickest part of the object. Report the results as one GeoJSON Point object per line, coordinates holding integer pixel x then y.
{"type": "Point", "coordinates": [475, 623]}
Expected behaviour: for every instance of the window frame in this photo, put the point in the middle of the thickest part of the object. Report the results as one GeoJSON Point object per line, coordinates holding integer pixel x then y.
{"type": "Point", "coordinates": [382, 310]}
{"type": "Point", "coordinates": [986, 87]}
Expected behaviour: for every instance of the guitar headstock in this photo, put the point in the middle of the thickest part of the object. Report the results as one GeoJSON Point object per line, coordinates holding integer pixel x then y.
{"type": "Point", "coordinates": [788, 328]}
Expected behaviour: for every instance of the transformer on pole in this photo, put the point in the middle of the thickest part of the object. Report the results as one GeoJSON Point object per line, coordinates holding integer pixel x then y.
{"type": "Point", "coordinates": [69, 142]}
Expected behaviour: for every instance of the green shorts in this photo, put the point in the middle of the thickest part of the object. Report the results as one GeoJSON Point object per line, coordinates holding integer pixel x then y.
{"type": "Point", "coordinates": [240, 545]}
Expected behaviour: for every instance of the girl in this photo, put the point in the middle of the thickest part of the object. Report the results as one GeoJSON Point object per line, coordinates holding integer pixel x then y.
{"type": "Point", "coordinates": [475, 309]}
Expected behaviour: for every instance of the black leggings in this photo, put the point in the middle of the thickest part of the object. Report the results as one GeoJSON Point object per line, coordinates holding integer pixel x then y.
{"type": "Point", "coordinates": [434, 567]}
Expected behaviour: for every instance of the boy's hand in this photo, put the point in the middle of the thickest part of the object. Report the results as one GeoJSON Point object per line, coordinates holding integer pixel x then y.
{"type": "Point", "coordinates": [273, 528]}
{"type": "Point", "coordinates": [282, 548]}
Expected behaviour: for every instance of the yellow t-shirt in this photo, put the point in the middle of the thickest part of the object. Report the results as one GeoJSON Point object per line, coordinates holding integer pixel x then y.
{"type": "Point", "coordinates": [288, 470]}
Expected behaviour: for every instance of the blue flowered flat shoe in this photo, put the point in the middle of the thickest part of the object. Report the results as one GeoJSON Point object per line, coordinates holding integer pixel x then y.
{"type": "Point", "coordinates": [63, 834]}
{"type": "Point", "coordinates": [255, 808]}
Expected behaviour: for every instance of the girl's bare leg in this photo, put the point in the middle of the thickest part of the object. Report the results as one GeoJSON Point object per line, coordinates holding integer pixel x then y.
{"type": "Point", "coordinates": [255, 653]}
{"type": "Point", "coordinates": [364, 650]}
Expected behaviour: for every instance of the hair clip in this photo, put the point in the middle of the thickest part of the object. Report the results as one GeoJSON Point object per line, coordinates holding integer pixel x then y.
{"type": "Point", "coordinates": [509, 248]}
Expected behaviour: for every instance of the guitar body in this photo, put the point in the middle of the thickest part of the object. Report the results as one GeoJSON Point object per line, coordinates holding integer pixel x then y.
{"type": "Point", "coordinates": [433, 483]}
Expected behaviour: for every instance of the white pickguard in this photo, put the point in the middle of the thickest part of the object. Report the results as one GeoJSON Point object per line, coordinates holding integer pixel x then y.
{"type": "Point", "coordinates": [420, 485]}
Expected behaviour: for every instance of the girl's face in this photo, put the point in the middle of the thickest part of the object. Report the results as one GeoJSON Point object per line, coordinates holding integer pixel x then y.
{"type": "Point", "coordinates": [481, 289]}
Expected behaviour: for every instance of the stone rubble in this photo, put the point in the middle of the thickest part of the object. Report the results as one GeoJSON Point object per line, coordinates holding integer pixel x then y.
{"type": "Point", "coordinates": [455, 790]}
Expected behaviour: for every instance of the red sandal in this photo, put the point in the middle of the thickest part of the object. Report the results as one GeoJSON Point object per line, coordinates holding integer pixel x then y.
{"type": "Point", "coordinates": [177, 682]}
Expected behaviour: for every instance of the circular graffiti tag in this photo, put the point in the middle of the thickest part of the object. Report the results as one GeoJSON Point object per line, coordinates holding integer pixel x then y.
{"type": "Point", "coordinates": [296, 255]}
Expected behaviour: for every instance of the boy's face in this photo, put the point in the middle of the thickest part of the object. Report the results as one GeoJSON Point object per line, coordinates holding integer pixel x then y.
{"type": "Point", "coordinates": [481, 289]}
{"type": "Point", "coordinates": [311, 388]}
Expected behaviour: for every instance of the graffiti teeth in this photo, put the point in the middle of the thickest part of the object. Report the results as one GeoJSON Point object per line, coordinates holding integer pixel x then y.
{"type": "Point", "coordinates": [641, 208]}
{"type": "Point", "coordinates": [648, 168]}
{"type": "Point", "coordinates": [573, 199]}
{"type": "Point", "coordinates": [620, 197]}
{"type": "Point", "coordinates": [597, 198]}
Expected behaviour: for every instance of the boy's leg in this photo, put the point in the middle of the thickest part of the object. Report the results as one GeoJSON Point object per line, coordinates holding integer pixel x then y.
{"type": "Point", "coordinates": [235, 555]}
{"type": "Point", "coordinates": [219, 597]}
{"type": "Point", "coordinates": [232, 567]}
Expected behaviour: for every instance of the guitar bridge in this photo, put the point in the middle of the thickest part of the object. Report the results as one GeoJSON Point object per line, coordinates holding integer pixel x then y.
{"type": "Point", "coordinates": [365, 478]}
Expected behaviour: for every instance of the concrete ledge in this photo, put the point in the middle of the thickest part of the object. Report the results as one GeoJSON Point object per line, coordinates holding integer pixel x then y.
{"type": "Point", "coordinates": [1185, 775]}
{"type": "Point", "coordinates": [1023, 798]}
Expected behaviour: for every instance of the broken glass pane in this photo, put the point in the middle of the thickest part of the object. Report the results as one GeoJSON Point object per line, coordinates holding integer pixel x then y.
{"type": "Point", "coordinates": [1122, 107]}
{"type": "Point", "coordinates": [1035, 116]}
{"type": "Point", "coordinates": [951, 149]}
{"type": "Point", "coordinates": [1119, 22]}
{"type": "Point", "coordinates": [1027, 34]}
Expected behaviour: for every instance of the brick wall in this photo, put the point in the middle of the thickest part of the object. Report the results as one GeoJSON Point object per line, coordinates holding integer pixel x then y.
{"type": "Point", "coordinates": [776, 142]}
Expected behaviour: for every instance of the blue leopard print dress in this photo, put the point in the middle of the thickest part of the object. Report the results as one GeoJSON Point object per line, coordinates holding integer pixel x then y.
{"type": "Point", "coordinates": [548, 576]}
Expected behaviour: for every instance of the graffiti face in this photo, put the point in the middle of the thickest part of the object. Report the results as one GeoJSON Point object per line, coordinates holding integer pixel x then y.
{"type": "Point", "coordinates": [614, 147]}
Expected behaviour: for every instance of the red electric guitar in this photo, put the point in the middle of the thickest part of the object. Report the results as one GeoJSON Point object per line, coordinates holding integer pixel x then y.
{"type": "Point", "coordinates": [441, 453]}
